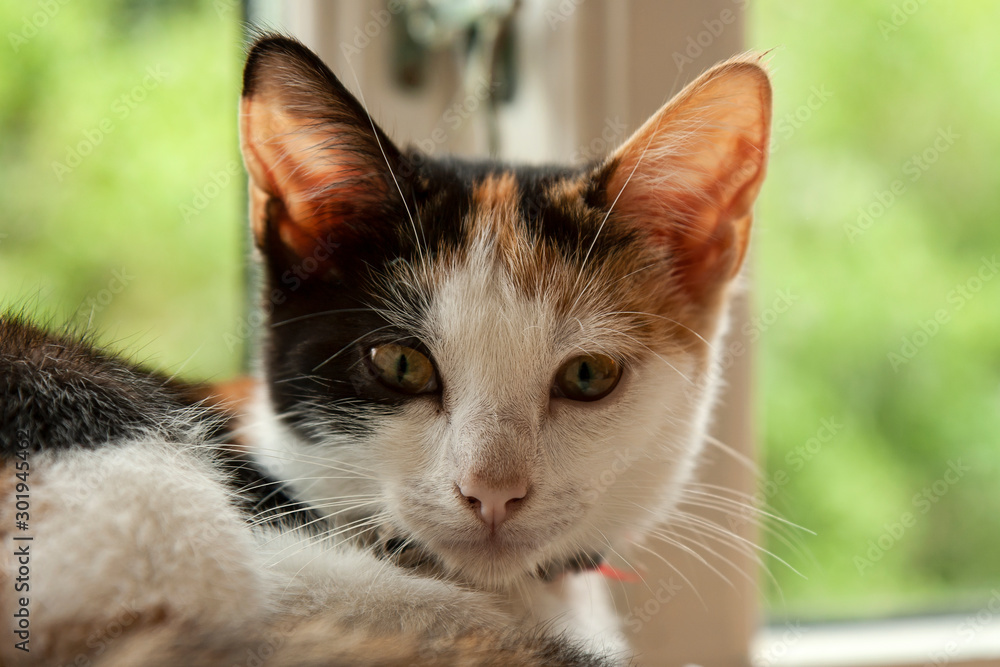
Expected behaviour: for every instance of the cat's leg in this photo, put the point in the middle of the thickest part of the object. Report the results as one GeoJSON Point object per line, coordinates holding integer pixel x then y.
{"type": "Point", "coordinates": [318, 641]}
{"type": "Point", "coordinates": [359, 590]}
{"type": "Point", "coordinates": [579, 605]}
{"type": "Point", "coordinates": [124, 536]}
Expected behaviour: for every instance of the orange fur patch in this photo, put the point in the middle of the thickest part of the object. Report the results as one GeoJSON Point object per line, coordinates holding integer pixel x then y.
{"type": "Point", "coordinates": [495, 213]}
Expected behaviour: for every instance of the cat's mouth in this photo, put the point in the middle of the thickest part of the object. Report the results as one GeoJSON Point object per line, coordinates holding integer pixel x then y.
{"type": "Point", "coordinates": [484, 556]}
{"type": "Point", "coordinates": [491, 561]}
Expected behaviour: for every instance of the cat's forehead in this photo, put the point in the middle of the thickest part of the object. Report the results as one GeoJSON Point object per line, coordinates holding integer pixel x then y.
{"type": "Point", "coordinates": [526, 255]}
{"type": "Point", "coordinates": [545, 228]}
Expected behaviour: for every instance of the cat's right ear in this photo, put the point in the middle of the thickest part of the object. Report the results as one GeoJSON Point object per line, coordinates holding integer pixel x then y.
{"type": "Point", "coordinates": [689, 176]}
{"type": "Point", "coordinates": [321, 171]}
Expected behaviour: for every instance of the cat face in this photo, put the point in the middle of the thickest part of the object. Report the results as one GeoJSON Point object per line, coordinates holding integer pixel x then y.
{"type": "Point", "coordinates": [505, 366]}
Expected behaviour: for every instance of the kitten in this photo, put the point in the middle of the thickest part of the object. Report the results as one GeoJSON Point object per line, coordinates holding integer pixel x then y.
{"type": "Point", "coordinates": [453, 349]}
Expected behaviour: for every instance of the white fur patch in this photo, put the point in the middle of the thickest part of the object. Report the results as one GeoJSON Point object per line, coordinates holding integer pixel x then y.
{"type": "Point", "coordinates": [599, 472]}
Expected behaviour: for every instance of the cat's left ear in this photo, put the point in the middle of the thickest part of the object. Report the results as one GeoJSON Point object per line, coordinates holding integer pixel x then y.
{"type": "Point", "coordinates": [689, 176]}
{"type": "Point", "coordinates": [321, 172]}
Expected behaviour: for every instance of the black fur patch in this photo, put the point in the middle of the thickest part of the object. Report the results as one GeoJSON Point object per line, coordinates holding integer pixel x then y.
{"type": "Point", "coordinates": [324, 313]}
{"type": "Point", "coordinates": [264, 498]}
{"type": "Point", "coordinates": [322, 324]}
{"type": "Point", "coordinates": [57, 393]}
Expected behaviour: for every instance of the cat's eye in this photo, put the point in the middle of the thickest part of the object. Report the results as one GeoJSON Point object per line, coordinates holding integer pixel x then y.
{"type": "Point", "coordinates": [589, 377]}
{"type": "Point", "coordinates": [403, 369]}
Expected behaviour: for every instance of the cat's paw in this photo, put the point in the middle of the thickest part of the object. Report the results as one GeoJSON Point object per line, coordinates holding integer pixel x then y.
{"type": "Point", "coordinates": [377, 595]}
{"type": "Point", "coordinates": [409, 603]}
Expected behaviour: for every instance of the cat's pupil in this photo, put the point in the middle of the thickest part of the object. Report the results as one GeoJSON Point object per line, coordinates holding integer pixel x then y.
{"type": "Point", "coordinates": [588, 377]}
{"type": "Point", "coordinates": [403, 369]}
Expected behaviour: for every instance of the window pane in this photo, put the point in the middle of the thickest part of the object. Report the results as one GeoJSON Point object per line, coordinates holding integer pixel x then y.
{"type": "Point", "coordinates": [122, 191]}
{"type": "Point", "coordinates": [878, 297]}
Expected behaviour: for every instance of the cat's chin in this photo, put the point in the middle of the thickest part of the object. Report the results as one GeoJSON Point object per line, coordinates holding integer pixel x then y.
{"type": "Point", "coordinates": [497, 559]}
{"type": "Point", "coordinates": [493, 563]}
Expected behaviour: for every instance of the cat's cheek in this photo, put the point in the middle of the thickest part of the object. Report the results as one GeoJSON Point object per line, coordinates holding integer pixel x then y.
{"type": "Point", "coordinates": [591, 494]}
{"type": "Point", "coordinates": [412, 440]}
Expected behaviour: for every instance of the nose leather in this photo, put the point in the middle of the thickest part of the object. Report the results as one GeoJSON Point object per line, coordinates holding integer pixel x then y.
{"type": "Point", "coordinates": [493, 503]}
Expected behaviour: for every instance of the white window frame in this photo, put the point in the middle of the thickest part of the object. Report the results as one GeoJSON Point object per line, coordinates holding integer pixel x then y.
{"type": "Point", "coordinates": [611, 60]}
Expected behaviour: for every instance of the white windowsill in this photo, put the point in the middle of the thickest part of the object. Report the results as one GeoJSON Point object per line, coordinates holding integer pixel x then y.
{"type": "Point", "coordinates": [959, 640]}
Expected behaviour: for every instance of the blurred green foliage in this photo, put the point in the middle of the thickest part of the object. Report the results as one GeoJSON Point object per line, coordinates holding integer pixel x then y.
{"type": "Point", "coordinates": [114, 115]}
{"type": "Point", "coordinates": [142, 241]}
{"type": "Point", "coordinates": [872, 96]}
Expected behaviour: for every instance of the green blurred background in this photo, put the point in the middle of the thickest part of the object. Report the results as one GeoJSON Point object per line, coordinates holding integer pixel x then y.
{"type": "Point", "coordinates": [138, 240]}
{"type": "Point", "coordinates": [870, 95]}
{"type": "Point", "coordinates": [876, 232]}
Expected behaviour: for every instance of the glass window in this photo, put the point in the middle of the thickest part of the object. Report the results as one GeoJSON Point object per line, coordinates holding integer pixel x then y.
{"type": "Point", "coordinates": [878, 298]}
{"type": "Point", "coordinates": [122, 191]}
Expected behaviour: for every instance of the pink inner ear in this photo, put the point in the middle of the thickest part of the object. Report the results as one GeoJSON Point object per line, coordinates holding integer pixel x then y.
{"type": "Point", "coordinates": [308, 167]}
{"type": "Point", "coordinates": [692, 172]}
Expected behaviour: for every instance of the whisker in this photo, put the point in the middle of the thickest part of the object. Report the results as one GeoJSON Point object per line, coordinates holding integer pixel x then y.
{"type": "Point", "coordinates": [417, 236]}
{"type": "Point", "coordinates": [267, 516]}
{"type": "Point", "coordinates": [673, 567]}
{"type": "Point", "coordinates": [299, 571]}
{"type": "Point", "coordinates": [315, 540]}
{"type": "Point", "coordinates": [348, 346]}
{"type": "Point", "coordinates": [668, 319]}
{"type": "Point", "coordinates": [607, 215]}
{"type": "Point", "coordinates": [335, 311]}
{"type": "Point", "coordinates": [754, 509]}
{"type": "Point", "coordinates": [701, 531]}
{"type": "Point", "coordinates": [708, 525]}
{"type": "Point", "coordinates": [658, 356]}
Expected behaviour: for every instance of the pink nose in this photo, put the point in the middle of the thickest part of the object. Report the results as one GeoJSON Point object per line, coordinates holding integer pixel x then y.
{"type": "Point", "coordinates": [494, 504]}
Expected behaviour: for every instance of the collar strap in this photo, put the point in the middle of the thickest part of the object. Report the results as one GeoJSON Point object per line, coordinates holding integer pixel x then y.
{"type": "Point", "coordinates": [586, 562]}
{"type": "Point", "coordinates": [581, 562]}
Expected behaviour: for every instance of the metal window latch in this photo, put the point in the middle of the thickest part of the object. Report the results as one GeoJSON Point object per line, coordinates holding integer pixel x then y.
{"type": "Point", "coordinates": [480, 34]}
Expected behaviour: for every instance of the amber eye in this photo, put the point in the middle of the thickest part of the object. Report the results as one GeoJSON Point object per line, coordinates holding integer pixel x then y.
{"type": "Point", "coordinates": [403, 369]}
{"type": "Point", "coordinates": [587, 378]}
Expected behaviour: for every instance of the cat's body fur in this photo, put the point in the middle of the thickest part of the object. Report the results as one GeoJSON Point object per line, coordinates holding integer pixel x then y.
{"type": "Point", "coordinates": [156, 521]}
{"type": "Point", "coordinates": [419, 518]}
